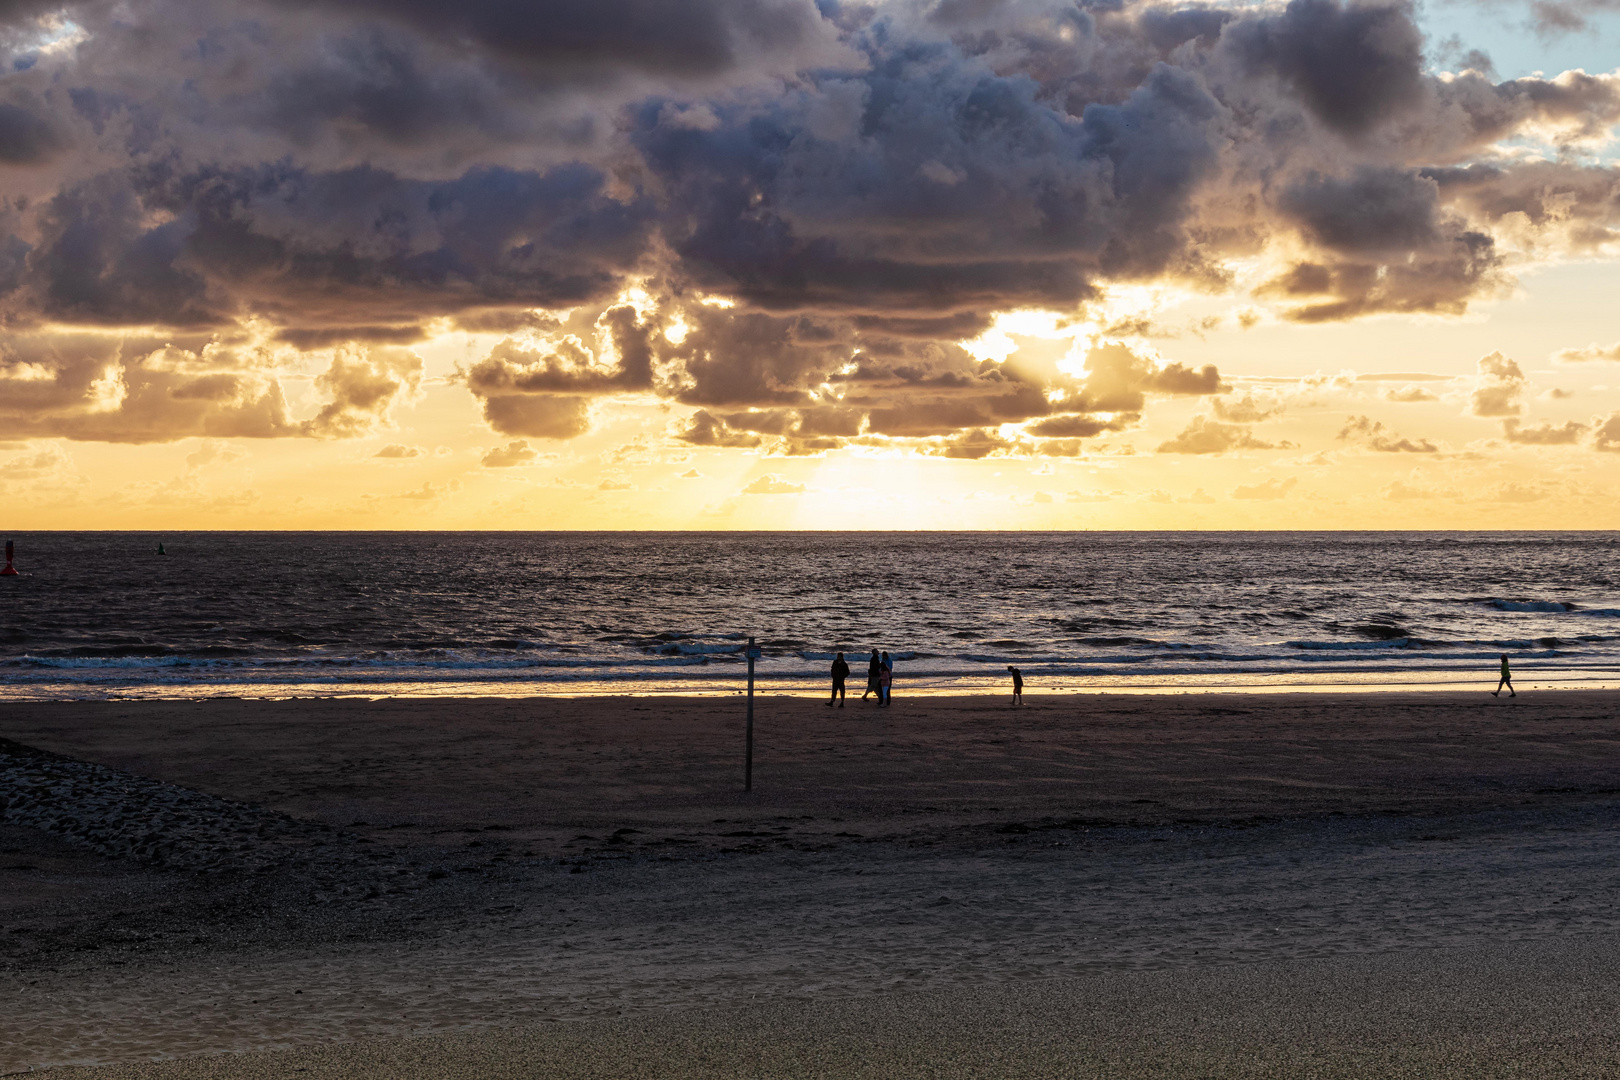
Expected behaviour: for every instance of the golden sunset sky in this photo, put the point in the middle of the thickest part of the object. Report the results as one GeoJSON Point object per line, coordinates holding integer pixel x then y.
{"type": "Point", "coordinates": [742, 265]}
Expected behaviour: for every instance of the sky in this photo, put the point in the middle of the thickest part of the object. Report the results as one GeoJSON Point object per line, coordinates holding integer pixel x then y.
{"type": "Point", "coordinates": [807, 264]}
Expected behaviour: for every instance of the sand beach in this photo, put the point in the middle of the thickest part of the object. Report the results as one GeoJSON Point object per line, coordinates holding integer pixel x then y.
{"type": "Point", "coordinates": [1111, 885]}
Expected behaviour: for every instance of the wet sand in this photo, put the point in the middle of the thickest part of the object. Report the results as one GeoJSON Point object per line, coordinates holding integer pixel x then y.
{"type": "Point", "coordinates": [186, 879]}
{"type": "Point", "coordinates": [1526, 1011]}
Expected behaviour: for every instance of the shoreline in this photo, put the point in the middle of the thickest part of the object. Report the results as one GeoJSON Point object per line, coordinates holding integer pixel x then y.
{"type": "Point", "coordinates": [1530, 680]}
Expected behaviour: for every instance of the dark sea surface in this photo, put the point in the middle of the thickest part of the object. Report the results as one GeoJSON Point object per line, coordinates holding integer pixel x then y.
{"type": "Point", "coordinates": [101, 614]}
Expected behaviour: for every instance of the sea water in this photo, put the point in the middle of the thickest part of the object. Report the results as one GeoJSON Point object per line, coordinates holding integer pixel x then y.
{"type": "Point", "coordinates": [291, 614]}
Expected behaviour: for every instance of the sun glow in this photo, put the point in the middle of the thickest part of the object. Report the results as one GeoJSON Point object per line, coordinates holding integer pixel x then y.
{"type": "Point", "coordinates": [997, 342]}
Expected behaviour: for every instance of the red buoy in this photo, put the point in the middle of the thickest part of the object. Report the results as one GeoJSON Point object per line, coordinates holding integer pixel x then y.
{"type": "Point", "coordinates": [9, 571]}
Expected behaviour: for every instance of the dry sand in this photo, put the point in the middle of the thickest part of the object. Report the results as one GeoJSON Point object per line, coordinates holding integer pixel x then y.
{"type": "Point", "coordinates": [1110, 885]}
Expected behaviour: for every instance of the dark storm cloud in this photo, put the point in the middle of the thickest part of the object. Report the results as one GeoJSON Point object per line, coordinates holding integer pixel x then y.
{"type": "Point", "coordinates": [383, 85]}
{"type": "Point", "coordinates": [155, 246]}
{"type": "Point", "coordinates": [1354, 65]}
{"type": "Point", "coordinates": [960, 192]}
{"type": "Point", "coordinates": [866, 186]}
{"type": "Point", "coordinates": [25, 137]}
{"type": "Point", "coordinates": [1376, 210]}
{"type": "Point", "coordinates": [326, 336]}
{"type": "Point", "coordinates": [956, 326]}
{"type": "Point", "coordinates": [1387, 245]}
{"type": "Point", "coordinates": [1443, 279]}
{"type": "Point", "coordinates": [601, 37]}
{"type": "Point", "coordinates": [749, 358]}
{"type": "Point", "coordinates": [1166, 28]}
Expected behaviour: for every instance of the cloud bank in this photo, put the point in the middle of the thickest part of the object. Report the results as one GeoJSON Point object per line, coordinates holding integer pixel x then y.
{"type": "Point", "coordinates": [791, 219]}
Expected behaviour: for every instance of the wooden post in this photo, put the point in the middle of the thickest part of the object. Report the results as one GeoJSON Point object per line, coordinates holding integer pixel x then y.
{"type": "Point", "coordinates": [748, 751]}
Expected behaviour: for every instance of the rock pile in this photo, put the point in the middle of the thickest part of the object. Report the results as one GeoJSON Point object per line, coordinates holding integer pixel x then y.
{"type": "Point", "coordinates": [164, 825]}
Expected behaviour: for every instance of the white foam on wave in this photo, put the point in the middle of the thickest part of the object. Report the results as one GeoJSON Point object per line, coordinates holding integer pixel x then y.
{"type": "Point", "coordinates": [1387, 643]}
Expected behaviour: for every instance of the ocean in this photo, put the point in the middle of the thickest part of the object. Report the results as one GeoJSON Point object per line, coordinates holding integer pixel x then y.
{"type": "Point", "coordinates": [102, 615]}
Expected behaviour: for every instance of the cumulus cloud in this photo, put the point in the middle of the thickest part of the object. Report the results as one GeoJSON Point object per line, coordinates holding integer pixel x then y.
{"type": "Point", "coordinates": [363, 385]}
{"type": "Point", "coordinates": [1372, 434]}
{"type": "Point", "coordinates": [1400, 491]}
{"type": "Point", "coordinates": [431, 492]}
{"type": "Point", "coordinates": [1275, 488]}
{"type": "Point", "coordinates": [399, 452]}
{"type": "Point", "coordinates": [1411, 394]}
{"type": "Point", "coordinates": [211, 452]}
{"type": "Point", "coordinates": [1206, 436]}
{"type": "Point", "coordinates": [1513, 492]}
{"type": "Point", "coordinates": [48, 462]}
{"type": "Point", "coordinates": [517, 452]}
{"type": "Point", "coordinates": [539, 416]}
{"type": "Point", "coordinates": [136, 389]}
{"type": "Point", "coordinates": [971, 445]}
{"type": "Point", "coordinates": [1567, 434]}
{"type": "Point", "coordinates": [1500, 385]}
{"type": "Point", "coordinates": [1587, 354]}
{"type": "Point", "coordinates": [1606, 436]}
{"type": "Point", "coordinates": [1245, 410]}
{"type": "Point", "coordinates": [772, 484]}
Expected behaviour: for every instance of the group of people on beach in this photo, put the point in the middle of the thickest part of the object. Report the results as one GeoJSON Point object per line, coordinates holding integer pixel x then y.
{"type": "Point", "coordinates": [879, 678]}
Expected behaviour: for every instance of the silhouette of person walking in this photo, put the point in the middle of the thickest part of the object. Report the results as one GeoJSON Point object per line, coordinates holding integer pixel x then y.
{"type": "Point", "coordinates": [885, 681]}
{"type": "Point", "coordinates": [1507, 680]}
{"type": "Point", "coordinates": [874, 682]}
{"type": "Point", "coordinates": [1018, 685]}
{"type": "Point", "coordinates": [840, 672]}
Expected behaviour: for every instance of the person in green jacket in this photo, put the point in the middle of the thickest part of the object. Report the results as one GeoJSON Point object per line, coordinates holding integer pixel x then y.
{"type": "Point", "coordinates": [1507, 680]}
